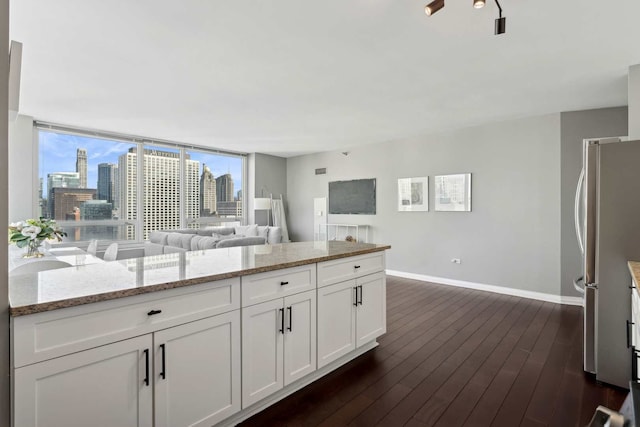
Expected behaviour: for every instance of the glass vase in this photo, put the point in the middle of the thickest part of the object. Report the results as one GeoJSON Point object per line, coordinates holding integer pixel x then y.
{"type": "Point", "coordinates": [33, 249]}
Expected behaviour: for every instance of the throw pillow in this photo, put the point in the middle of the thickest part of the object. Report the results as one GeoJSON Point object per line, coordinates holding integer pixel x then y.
{"type": "Point", "coordinates": [263, 231]}
{"type": "Point", "coordinates": [247, 230]}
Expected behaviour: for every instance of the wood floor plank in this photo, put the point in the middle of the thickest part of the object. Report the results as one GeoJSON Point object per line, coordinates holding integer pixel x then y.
{"type": "Point", "coordinates": [457, 357]}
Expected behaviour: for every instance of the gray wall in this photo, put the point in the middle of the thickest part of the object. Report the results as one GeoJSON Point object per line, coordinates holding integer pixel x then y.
{"type": "Point", "coordinates": [634, 102]}
{"type": "Point", "coordinates": [4, 191]}
{"type": "Point", "coordinates": [576, 126]}
{"type": "Point", "coordinates": [270, 175]}
{"type": "Point", "coordinates": [510, 239]}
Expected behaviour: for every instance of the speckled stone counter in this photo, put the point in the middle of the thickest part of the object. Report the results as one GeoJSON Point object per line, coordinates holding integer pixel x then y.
{"type": "Point", "coordinates": [634, 268]}
{"type": "Point", "coordinates": [67, 287]}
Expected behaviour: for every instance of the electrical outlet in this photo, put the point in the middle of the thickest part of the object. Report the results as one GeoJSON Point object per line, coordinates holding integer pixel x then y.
{"type": "Point", "coordinates": [456, 260]}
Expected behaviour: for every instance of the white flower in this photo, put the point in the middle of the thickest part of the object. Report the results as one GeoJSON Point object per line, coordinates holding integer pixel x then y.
{"type": "Point", "coordinates": [31, 231]}
{"type": "Point", "coordinates": [17, 225]}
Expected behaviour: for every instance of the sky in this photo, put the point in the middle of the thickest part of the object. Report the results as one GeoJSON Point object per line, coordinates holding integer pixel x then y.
{"type": "Point", "coordinates": [58, 154]}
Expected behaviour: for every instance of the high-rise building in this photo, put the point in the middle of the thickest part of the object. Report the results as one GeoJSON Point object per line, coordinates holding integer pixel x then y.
{"type": "Point", "coordinates": [233, 208]}
{"type": "Point", "coordinates": [42, 201]}
{"type": "Point", "coordinates": [224, 188]}
{"type": "Point", "coordinates": [161, 207]}
{"type": "Point", "coordinates": [64, 201]}
{"type": "Point", "coordinates": [95, 209]}
{"type": "Point", "coordinates": [207, 192]}
{"type": "Point", "coordinates": [81, 166]}
{"type": "Point", "coordinates": [108, 182]}
{"type": "Point", "coordinates": [92, 210]}
{"type": "Point", "coordinates": [59, 180]}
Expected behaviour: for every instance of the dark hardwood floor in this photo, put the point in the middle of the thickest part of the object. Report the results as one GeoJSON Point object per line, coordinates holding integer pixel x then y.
{"type": "Point", "coordinates": [457, 357]}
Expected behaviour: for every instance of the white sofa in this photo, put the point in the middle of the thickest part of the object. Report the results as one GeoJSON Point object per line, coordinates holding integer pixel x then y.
{"type": "Point", "coordinates": [183, 240]}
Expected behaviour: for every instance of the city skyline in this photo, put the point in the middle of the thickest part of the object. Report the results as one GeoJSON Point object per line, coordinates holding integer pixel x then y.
{"type": "Point", "coordinates": [53, 159]}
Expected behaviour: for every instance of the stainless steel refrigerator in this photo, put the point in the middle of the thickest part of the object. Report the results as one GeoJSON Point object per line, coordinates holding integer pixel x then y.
{"type": "Point", "coordinates": [608, 229]}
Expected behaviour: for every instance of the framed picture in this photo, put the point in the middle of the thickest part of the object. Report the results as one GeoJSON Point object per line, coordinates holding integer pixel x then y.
{"type": "Point", "coordinates": [453, 192]}
{"type": "Point", "coordinates": [413, 194]}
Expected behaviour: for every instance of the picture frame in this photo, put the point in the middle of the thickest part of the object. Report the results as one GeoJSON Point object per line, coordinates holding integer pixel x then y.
{"type": "Point", "coordinates": [453, 192]}
{"type": "Point", "coordinates": [413, 194]}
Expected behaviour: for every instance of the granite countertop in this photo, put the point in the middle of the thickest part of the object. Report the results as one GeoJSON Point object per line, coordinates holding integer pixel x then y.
{"type": "Point", "coordinates": [84, 284]}
{"type": "Point", "coordinates": [634, 268]}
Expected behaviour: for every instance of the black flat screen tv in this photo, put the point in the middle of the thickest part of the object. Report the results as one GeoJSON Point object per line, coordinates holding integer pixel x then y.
{"type": "Point", "coordinates": [357, 196]}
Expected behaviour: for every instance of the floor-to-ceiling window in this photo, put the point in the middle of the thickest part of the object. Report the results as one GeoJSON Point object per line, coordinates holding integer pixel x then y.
{"type": "Point", "coordinates": [90, 183]}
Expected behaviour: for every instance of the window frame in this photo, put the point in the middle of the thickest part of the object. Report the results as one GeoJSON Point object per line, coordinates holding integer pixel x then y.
{"type": "Point", "coordinates": [141, 143]}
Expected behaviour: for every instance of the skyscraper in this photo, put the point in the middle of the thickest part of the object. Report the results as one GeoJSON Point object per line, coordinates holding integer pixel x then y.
{"type": "Point", "coordinates": [65, 201]}
{"type": "Point", "coordinates": [59, 180]}
{"type": "Point", "coordinates": [224, 188]}
{"type": "Point", "coordinates": [107, 182]}
{"type": "Point", "coordinates": [81, 166]}
{"type": "Point", "coordinates": [161, 208]}
{"type": "Point", "coordinates": [207, 192]}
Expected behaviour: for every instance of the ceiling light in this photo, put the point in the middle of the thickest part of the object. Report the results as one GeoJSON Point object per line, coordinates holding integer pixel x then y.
{"type": "Point", "coordinates": [501, 23]}
{"type": "Point", "coordinates": [433, 7]}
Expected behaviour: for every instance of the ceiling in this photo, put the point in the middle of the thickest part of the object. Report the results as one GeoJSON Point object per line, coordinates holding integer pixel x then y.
{"type": "Point", "coordinates": [288, 77]}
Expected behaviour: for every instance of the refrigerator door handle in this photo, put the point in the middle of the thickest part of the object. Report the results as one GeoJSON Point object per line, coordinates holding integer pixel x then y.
{"type": "Point", "coordinates": [576, 211]}
{"type": "Point", "coordinates": [577, 286]}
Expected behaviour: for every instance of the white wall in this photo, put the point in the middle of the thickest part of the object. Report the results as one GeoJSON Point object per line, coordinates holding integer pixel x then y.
{"type": "Point", "coordinates": [634, 102]}
{"type": "Point", "coordinates": [23, 166]}
{"type": "Point", "coordinates": [4, 190]}
{"type": "Point", "coordinates": [510, 239]}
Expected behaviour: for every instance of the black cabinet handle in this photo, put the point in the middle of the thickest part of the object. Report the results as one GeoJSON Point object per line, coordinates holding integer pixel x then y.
{"type": "Point", "coordinates": [634, 366]}
{"type": "Point", "coordinates": [356, 267]}
{"type": "Point", "coordinates": [360, 302]}
{"type": "Point", "coordinates": [154, 312]}
{"type": "Point", "coordinates": [632, 287]}
{"type": "Point", "coordinates": [290, 320]}
{"type": "Point", "coordinates": [163, 373]}
{"type": "Point", "coordinates": [629, 333]}
{"type": "Point", "coordinates": [281, 311]}
{"type": "Point", "coordinates": [284, 283]}
{"type": "Point", "coordinates": [355, 288]}
{"type": "Point", "coordinates": [146, 367]}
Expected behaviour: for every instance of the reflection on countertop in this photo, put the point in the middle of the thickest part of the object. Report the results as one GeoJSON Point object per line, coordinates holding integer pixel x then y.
{"type": "Point", "coordinates": [83, 284]}
{"type": "Point", "coordinates": [634, 268]}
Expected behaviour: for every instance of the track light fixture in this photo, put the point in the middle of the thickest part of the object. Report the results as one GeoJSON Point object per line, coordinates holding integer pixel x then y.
{"type": "Point", "coordinates": [500, 23]}
{"type": "Point", "coordinates": [433, 7]}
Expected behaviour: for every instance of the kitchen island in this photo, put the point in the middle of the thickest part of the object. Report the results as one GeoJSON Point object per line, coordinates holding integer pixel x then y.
{"type": "Point", "coordinates": [196, 338]}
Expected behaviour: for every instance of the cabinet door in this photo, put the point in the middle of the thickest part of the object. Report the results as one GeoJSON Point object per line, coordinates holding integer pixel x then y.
{"type": "Point", "coordinates": [336, 321]}
{"type": "Point", "coordinates": [300, 336]}
{"type": "Point", "coordinates": [262, 350]}
{"type": "Point", "coordinates": [635, 315]}
{"type": "Point", "coordinates": [101, 387]}
{"type": "Point", "coordinates": [371, 318]}
{"type": "Point", "coordinates": [197, 371]}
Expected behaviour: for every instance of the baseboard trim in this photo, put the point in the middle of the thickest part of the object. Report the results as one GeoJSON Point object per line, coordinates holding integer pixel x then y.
{"type": "Point", "coordinates": [557, 299]}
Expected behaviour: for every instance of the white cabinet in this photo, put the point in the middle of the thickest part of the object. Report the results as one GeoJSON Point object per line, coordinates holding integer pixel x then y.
{"type": "Point", "coordinates": [197, 372]}
{"type": "Point", "coordinates": [181, 355]}
{"type": "Point", "coordinates": [350, 314]}
{"type": "Point", "coordinates": [278, 344]}
{"type": "Point", "coordinates": [341, 269]}
{"type": "Point", "coordinates": [371, 311]}
{"type": "Point", "coordinates": [102, 387]}
{"type": "Point", "coordinates": [633, 331]}
{"type": "Point", "coordinates": [194, 371]}
{"type": "Point", "coordinates": [196, 355]}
